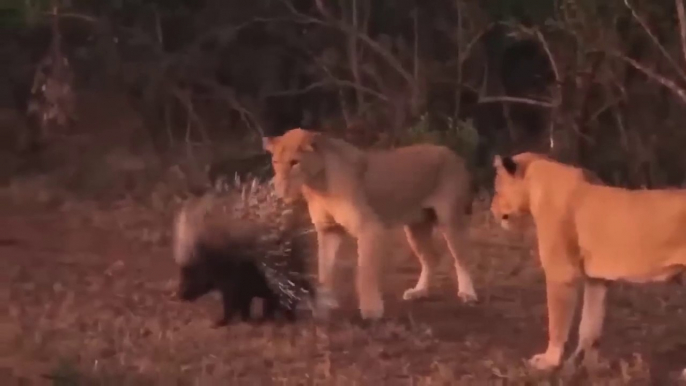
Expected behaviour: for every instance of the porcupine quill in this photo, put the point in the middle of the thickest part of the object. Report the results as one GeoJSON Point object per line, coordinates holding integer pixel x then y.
{"type": "Point", "coordinates": [282, 262]}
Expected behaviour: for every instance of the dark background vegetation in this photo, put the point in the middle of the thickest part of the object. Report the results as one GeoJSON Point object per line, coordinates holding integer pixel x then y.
{"type": "Point", "coordinates": [112, 111]}
{"type": "Point", "coordinates": [599, 83]}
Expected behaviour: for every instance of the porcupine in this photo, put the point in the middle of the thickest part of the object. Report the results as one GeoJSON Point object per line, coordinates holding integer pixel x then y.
{"type": "Point", "coordinates": [245, 244]}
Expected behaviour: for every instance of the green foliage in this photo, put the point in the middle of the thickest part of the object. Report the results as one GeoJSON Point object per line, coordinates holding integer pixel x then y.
{"type": "Point", "coordinates": [65, 374]}
{"type": "Point", "coordinates": [461, 136]}
{"type": "Point", "coordinates": [527, 11]}
{"type": "Point", "coordinates": [21, 13]}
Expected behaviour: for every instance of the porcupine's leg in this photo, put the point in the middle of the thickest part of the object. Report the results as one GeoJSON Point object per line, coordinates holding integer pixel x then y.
{"type": "Point", "coordinates": [271, 305]}
{"type": "Point", "coordinates": [228, 307]}
{"type": "Point", "coordinates": [244, 289]}
{"type": "Point", "coordinates": [289, 313]}
{"type": "Point", "coordinates": [243, 302]}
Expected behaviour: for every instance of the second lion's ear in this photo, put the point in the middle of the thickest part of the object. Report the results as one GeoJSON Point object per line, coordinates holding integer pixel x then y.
{"type": "Point", "coordinates": [314, 143]}
{"type": "Point", "coordinates": [506, 163]}
{"type": "Point", "coordinates": [510, 165]}
{"type": "Point", "coordinates": [268, 143]}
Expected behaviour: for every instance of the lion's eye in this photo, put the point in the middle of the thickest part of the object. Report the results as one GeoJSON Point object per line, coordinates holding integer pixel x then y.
{"type": "Point", "coordinates": [294, 162]}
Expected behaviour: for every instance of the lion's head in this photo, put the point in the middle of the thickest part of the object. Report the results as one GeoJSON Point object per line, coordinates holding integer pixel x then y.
{"type": "Point", "coordinates": [520, 179]}
{"type": "Point", "coordinates": [511, 194]}
{"type": "Point", "coordinates": [296, 161]}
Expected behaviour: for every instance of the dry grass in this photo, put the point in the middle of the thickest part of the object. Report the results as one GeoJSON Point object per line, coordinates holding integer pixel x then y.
{"type": "Point", "coordinates": [88, 293]}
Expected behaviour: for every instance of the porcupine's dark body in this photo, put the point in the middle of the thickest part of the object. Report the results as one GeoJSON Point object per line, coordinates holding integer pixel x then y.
{"type": "Point", "coordinates": [238, 279]}
{"type": "Point", "coordinates": [240, 263]}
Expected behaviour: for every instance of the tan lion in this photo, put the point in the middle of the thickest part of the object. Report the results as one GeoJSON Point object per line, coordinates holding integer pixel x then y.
{"type": "Point", "coordinates": [364, 193]}
{"type": "Point", "coordinates": [589, 233]}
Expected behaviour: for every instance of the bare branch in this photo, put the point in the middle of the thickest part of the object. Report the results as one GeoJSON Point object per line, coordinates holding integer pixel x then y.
{"type": "Point", "coordinates": [682, 25]}
{"type": "Point", "coordinates": [551, 58]}
{"type": "Point", "coordinates": [509, 99]}
{"type": "Point", "coordinates": [332, 81]}
{"type": "Point", "coordinates": [321, 8]}
{"type": "Point", "coordinates": [468, 48]}
{"type": "Point", "coordinates": [229, 96]}
{"type": "Point", "coordinates": [185, 99]}
{"type": "Point", "coordinates": [680, 92]}
{"type": "Point", "coordinates": [73, 15]}
{"type": "Point", "coordinates": [371, 43]}
{"type": "Point", "coordinates": [654, 39]}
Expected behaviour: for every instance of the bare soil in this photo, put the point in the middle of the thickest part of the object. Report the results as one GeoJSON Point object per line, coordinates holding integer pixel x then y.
{"type": "Point", "coordinates": [88, 288]}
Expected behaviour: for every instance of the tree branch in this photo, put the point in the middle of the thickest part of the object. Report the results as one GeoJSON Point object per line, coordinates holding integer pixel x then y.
{"type": "Point", "coordinates": [680, 92]}
{"type": "Point", "coordinates": [654, 39]}
{"type": "Point", "coordinates": [551, 58]}
{"type": "Point", "coordinates": [509, 99]}
{"type": "Point", "coordinates": [468, 48]}
{"type": "Point", "coordinates": [332, 81]}
{"type": "Point", "coordinates": [373, 45]}
{"type": "Point", "coordinates": [682, 25]}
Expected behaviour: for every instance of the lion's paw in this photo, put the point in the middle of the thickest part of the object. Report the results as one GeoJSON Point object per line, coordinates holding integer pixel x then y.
{"type": "Point", "coordinates": [467, 297]}
{"type": "Point", "coordinates": [415, 293]}
{"type": "Point", "coordinates": [544, 362]}
{"type": "Point", "coordinates": [372, 309]}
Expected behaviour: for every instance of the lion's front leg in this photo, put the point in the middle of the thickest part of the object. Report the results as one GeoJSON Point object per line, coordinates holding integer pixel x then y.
{"type": "Point", "coordinates": [371, 250]}
{"type": "Point", "coordinates": [561, 298]}
{"type": "Point", "coordinates": [591, 325]}
{"type": "Point", "coordinates": [328, 245]}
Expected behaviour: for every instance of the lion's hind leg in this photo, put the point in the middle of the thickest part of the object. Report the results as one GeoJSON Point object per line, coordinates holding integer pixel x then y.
{"type": "Point", "coordinates": [421, 243]}
{"type": "Point", "coordinates": [457, 240]}
{"type": "Point", "coordinates": [591, 325]}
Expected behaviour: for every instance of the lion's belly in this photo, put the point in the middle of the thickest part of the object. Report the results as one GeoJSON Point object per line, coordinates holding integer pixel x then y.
{"type": "Point", "coordinates": [631, 268]}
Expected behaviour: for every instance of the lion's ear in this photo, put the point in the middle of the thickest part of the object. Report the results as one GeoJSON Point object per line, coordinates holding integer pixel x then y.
{"type": "Point", "coordinates": [268, 143]}
{"type": "Point", "coordinates": [497, 161]}
{"type": "Point", "coordinates": [505, 163]}
{"type": "Point", "coordinates": [315, 143]}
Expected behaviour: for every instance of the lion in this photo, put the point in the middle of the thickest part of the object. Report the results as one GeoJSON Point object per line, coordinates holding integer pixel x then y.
{"type": "Point", "coordinates": [591, 233]}
{"type": "Point", "coordinates": [364, 194]}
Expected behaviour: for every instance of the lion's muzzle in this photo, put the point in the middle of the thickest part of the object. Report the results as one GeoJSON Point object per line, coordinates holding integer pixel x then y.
{"type": "Point", "coordinates": [286, 191]}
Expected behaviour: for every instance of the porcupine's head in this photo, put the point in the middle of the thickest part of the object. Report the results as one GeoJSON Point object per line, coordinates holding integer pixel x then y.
{"type": "Point", "coordinates": [189, 250]}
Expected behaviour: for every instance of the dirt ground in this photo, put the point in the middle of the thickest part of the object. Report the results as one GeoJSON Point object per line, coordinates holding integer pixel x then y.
{"type": "Point", "coordinates": [88, 295]}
